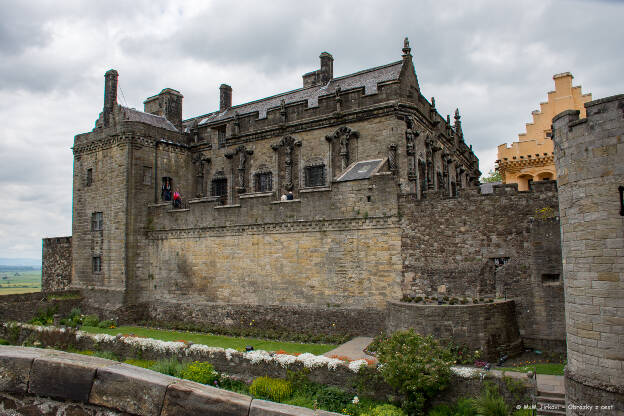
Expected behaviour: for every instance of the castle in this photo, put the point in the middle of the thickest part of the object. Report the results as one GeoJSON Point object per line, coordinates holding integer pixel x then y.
{"type": "Point", "coordinates": [384, 205]}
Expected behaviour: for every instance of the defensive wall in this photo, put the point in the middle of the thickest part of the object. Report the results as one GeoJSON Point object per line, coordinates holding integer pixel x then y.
{"type": "Point", "coordinates": [56, 270]}
{"type": "Point", "coordinates": [499, 245]}
{"type": "Point", "coordinates": [589, 154]}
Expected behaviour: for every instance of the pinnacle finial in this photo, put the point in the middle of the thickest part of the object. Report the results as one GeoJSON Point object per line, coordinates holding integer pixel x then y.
{"type": "Point", "coordinates": [406, 47]}
{"type": "Point", "coordinates": [457, 116]}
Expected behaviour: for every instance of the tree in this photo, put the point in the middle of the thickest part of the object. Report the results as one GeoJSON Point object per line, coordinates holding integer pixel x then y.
{"type": "Point", "coordinates": [492, 176]}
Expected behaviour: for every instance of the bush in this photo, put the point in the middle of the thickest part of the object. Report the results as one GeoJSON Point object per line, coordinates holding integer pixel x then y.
{"type": "Point", "coordinates": [385, 410]}
{"type": "Point", "coordinates": [465, 407]}
{"type": "Point", "coordinates": [273, 389]}
{"type": "Point", "coordinates": [441, 410]}
{"type": "Point", "coordinates": [90, 320]}
{"type": "Point", "coordinates": [332, 398]}
{"type": "Point", "coordinates": [491, 403]}
{"type": "Point", "coordinates": [4, 342]}
{"type": "Point", "coordinates": [107, 324]}
{"type": "Point", "coordinates": [200, 372]}
{"type": "Point", "coordinates": [417, 367]}
{"type": "Point", "coordinates": [170, 366]}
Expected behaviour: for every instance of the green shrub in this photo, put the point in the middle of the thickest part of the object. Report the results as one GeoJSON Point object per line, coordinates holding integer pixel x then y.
{"type": "Point", "coordinates": [90, 320]}
{"type": "Point", "coordinates": [4, 342]}
{"type": "Point", "coordinates": [441, 410]}
{"type": "Point", "coordinates": [332, 398]}
{"type": "Point", "coordinates": [233, 385]}
{"type": "Point", "coordinates": [384, 410]}
{"type": "Point", "coordinates": [491, 403]}
{"type": "Point", "coordinates": [465, 407]}
{"type": "Point", "coordinates": [107, 324]}
{"type": "Point", "coordinates": [274, 389]}
{"type": "Point", "coordinates": [44, 317]}
{"type": "Point", "coordinates": [417, 367]}
{"type": "Point", "coordinates": [75, 312]}
{"type": "Point", "coordinates": [170, 366]}
{"type": "Point", "coordinates": [200, 372]}
{"type": "Point", "coordinates": [523, 412]}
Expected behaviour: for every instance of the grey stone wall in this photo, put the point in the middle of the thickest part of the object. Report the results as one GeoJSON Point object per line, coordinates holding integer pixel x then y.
{"type": "Point", "coordinates": [56, 264]}
{"type": "Point", "coordinates": [589, 154]}
{"type": "Point", "coordinates": [503, 245]}
{"type": "Point", "coordinates": [489, 327]}
{"type": "Point", "coordinates": [23, 307]}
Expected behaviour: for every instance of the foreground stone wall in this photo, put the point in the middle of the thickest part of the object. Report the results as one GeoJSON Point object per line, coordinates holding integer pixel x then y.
{"type": "Point", "coordinates": [589, 154]}
{"type": "Point", "coordinates": [504, 245]}
{"type": "Point", "coordinates": [490, 327]}
{"type": "Point", "coordinates": [56, 264]}
{"type": "Point", "coordinates": [48, 382]}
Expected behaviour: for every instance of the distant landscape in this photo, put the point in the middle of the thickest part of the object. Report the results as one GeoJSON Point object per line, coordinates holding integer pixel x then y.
{"type": "Point", "coordinates": [19, 276]}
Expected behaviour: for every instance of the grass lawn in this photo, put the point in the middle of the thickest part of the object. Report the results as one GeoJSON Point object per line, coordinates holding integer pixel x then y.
{"type": "Point", "coordinates": [214, 340]}
{"type": "Point", "coordinates": [555, 369]}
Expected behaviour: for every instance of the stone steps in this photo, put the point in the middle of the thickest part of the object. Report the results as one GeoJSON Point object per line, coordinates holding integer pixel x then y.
{"type": "Point", "coordinates": [550, 403]}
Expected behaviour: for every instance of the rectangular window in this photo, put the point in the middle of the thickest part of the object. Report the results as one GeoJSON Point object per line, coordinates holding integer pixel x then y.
{"type": "Point", "coordinates": [315, 176]}
{"type": "Point", "coordinates": [147, 175]}
{"type": "Point", "coordinates": [221, 137]}
{"type": "Point", "coordinates": [219, 187]}
{"type": "Point", "coordinates": [89, 176]}
{"type": "Point", "coordinates": [264, 182]}
{"type": "Point", "coordinates": [97, 221]}
{"type": "Point", "coordinates": [96, 262]}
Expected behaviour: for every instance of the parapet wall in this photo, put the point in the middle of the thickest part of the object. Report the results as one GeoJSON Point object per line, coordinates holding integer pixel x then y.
{"type": "Point", "coordinates": [36, 380]}
{"type": "Point", "coordinates": [489, 327]}
{"type": "Point", "coordinates": [56, 264]}
{"type": "Point", "coordinates": [25, 306]}
{"type": "Point", "coordinates": [503, 245]}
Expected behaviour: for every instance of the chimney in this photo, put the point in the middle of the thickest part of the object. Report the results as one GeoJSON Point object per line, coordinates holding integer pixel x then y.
{"type": "Point", "coordinates": [167, 104]}
{"type": "Point", "coordinates": [225, 97]}
{"type": "Point", "coordinates": [110, 95]}
{"type": "Point", "coordinates": [327, 67]}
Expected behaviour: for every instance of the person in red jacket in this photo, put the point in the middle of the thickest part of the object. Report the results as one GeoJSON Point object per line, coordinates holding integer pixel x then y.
{"type": "Point", "coordinates": [177, 199]}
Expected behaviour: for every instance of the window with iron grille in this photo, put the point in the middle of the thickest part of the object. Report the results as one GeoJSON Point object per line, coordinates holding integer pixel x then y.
{"type": "Point", "coordinates": [89, 176]}
{"type": "Point", "coordinates": [97, 221]}
{"type": "Point", "coordinates": [315, 175]}
{"type": "Point", "coordinates": [96, 262]}
{"type": "Point", "coordinates": [219, 187]}
{"type": "Point", "coordinates": [221, 137]}
{"type": "Point", "coordinates": [264, 181]}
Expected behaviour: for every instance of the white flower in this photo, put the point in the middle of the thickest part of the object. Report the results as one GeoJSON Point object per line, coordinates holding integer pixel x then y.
{"type": "Point", "coordinates": [355, 400]}
{"type": "Point", "coordinates": [465, 372]}
{"type": "Point", "coordinates": [356, 365]}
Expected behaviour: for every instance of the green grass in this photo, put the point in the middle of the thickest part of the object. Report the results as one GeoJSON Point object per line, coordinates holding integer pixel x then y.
{"type": "Point", "coordinates": [555, 369]}
{"type": "Point", "coordinates": [214, 340]}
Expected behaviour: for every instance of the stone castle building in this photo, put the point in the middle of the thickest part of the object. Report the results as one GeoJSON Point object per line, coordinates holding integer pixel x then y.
{"type": "Point", "coordinates": [384, 205]}
{"type": "Point", "coordinates": [531, 157]}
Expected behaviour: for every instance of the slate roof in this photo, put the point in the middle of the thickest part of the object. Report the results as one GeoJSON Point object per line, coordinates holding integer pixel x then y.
{"type": "Point", "coordinates": [368, 79]}
{"type": "Point", "coordinates": [131, 114]}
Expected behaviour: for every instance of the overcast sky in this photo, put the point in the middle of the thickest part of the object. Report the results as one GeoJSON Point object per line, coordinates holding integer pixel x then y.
{"type": "Point", "coordinates": [492, 59]}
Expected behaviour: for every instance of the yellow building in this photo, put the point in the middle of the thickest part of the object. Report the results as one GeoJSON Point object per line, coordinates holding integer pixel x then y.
{"type": "Point", "coordinates": [531, 157]}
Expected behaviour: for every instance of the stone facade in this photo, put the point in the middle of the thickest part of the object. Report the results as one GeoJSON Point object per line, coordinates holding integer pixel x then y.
{"type": "Point", "coordinates": [56, 267]}
{"type": "Point", "coordinates": [380, 202]}
{"type": "Point", "coordinates": [589, 155]}
{"type": "Point", "coordinates": [504, 245]}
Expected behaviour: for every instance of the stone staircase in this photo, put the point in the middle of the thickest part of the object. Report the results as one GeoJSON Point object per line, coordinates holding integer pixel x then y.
{"type": "Point", "coordinates": [550, 403]}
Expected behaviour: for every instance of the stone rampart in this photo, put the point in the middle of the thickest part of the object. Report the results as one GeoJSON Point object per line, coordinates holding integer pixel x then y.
{"type": "Point", "coordinates": [56, 267]}
{"type": "Point", "coordinates": [489, 327]}
{"type": "Point", "coordinates": [36, 381]}
{"type": "Point", "coordinates": [503, 245]}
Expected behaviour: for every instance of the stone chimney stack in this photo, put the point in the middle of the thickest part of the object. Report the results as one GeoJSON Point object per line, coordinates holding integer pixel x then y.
{"type": "Point", "coordinates": [110, 95]}
{"type": "Point", "coordinates": [327, 67]}
{"type": "Point", "coordinates": [225, 97]}
{"type": "Point", "coordinates": [167, 104]}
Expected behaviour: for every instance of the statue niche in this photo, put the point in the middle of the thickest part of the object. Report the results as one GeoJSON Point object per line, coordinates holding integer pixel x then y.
{"type": "Point", "coordinates": [240, 165]}
{"type": "Point", "coordinates": [343, 148]}
{"type": "Point", "coordinates": [287, 163]}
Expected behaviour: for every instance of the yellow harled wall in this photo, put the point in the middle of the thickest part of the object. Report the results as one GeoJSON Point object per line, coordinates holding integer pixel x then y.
{"type": "Point", "coordinates": [531, 157]}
